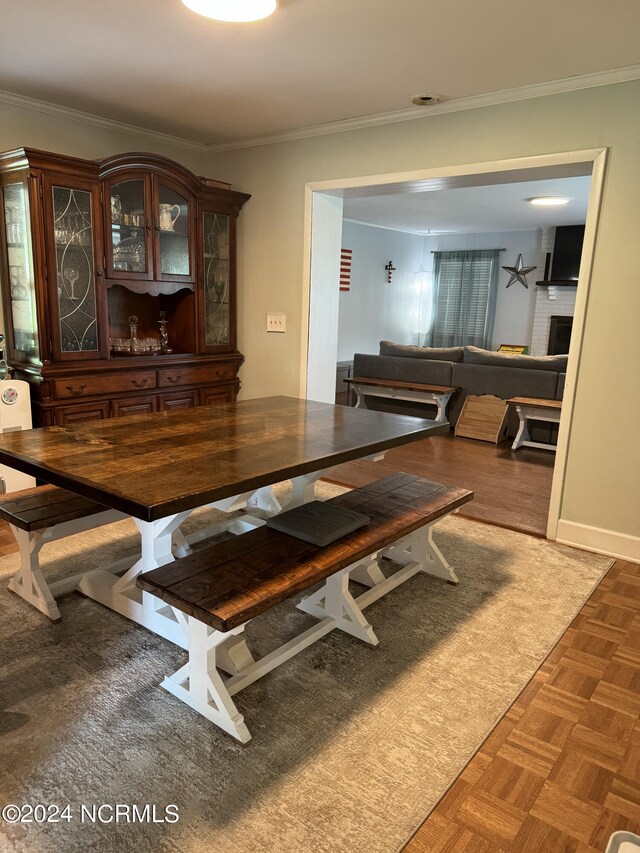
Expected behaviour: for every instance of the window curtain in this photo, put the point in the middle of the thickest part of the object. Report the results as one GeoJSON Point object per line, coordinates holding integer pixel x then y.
{"type": "Point", "coordinates": [466, 285]}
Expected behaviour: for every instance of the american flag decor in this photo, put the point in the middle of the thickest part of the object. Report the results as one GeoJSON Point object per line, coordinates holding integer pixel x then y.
{"type": "Point", "coordinates": [345, 269]}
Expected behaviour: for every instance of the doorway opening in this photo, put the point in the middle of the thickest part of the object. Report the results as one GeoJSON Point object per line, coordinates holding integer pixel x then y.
{"type": "Point", "coordinates": [325, 205]}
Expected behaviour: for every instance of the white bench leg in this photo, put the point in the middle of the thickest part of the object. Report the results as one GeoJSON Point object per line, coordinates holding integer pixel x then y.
{"type": "Point", "coordinates": [334, 601]}
{"type": "Point", "coordinates": [29, 582]}
{"type": "Point", "coordinates": [199, 685]}
{"type": "Point", "coordinates": [441, 401]}
{"type": "Point", "coordinates": [433, 560]}
{"type": "Point", "coordinates": [523, 430]}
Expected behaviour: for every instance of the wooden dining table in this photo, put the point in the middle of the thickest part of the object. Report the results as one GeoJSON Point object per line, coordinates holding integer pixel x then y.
{"type": "Point", "coordinates": [159, 467]}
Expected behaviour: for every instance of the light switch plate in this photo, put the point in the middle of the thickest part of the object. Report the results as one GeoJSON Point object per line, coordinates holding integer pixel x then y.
{"type": "Point", "coordinates": [276, 322]}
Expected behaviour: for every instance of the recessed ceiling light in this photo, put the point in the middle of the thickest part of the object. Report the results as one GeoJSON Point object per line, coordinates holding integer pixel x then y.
{"type": "Point", "coordinates": [548, 200]}
{"type": "Point", "coordinates": [425, 100]}
{"type": "Point", "coordinates": [232, 10]}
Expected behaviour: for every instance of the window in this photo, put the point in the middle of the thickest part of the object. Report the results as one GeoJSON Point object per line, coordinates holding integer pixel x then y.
{"type": "Point", "coordinates": [465, 297]}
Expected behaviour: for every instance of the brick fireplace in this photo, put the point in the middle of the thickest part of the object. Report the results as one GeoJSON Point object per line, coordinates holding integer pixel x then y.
{"type": "Point", "coordinates": [555, 302]}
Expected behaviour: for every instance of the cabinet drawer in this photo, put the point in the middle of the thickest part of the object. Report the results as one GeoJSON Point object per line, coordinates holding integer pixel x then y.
{"type": "Point", "coordinates": [200, 375]}
{"type": "Point", "coordinates": [89, 386]}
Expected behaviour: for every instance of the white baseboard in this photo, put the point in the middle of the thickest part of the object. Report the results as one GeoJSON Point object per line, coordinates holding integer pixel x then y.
{"type": "Point", "coordinates": [619, 545]}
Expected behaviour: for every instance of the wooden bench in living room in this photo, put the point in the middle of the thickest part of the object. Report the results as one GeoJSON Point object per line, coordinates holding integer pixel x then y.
{"type": "Point", "coordinates": [394, 389]}
{"type": "Point", "coordinates": [216, 591]}
{"type": "Point", "coordinates": [40, 515]}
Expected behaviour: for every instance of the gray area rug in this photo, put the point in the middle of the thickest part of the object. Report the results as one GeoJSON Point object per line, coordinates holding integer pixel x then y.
{"type": "Point", "coordinates": [352, 745]}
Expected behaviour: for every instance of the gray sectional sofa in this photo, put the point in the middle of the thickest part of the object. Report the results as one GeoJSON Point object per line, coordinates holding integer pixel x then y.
{"type": "Point", "coordinates": [473, 370]}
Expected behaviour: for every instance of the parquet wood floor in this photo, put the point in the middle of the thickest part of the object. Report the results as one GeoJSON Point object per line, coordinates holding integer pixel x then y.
{"type": "Point", "coordinates": [511, 489]}
{"type": "Point", "coordinates": [561, 770]}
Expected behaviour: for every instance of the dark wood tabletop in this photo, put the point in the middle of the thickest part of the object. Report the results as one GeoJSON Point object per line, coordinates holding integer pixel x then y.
{"type": "Point", "coordinates": [155, 465]}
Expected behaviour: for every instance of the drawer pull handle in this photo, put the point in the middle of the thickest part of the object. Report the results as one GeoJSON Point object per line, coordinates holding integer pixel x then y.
{"type": "Point", "coordinates": [78, 392]}
{"type": "Point", "coordinates": [139, 384]}
{"type": "Point", "coordinates": [176, 378]}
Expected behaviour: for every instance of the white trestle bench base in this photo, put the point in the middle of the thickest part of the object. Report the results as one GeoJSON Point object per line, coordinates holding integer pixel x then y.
{"type": "Point", "coordinates": [534, 413]}
{"type": "Point", "coordinates": [199, 683]}
{"type": "Point", "coordinates": [29, 582]}
{"type": "Point", "coordinates": [439, 399]}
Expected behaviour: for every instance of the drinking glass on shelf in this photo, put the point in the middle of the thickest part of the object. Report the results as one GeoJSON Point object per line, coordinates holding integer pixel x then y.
{"type": "Point", "coordinates": [72, 274]}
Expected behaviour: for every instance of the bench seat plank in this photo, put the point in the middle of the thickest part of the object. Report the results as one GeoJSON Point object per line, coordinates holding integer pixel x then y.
{"type": "Point", "coordinates": [227, 584]}
{"type": "Point", "coordinates": [45, 506]}
{"type": "Point", "coordinates": [400, 384]}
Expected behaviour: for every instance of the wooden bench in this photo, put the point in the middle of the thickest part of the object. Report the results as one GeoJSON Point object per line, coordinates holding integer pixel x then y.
{"type": "Point", "coordinates": [393, 389]}
{"type": "Point", "coordinates": [534, 409]}
{"type": "Point", "coordinates": [40, 515]}
{"type": "Point", "coordinates": [216, 591]}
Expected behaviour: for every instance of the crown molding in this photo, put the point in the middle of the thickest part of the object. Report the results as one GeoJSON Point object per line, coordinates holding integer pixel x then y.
{"type": "Point", "coordinates": [413, 232]}
{"type": "Point", "coordinates": [536, 90]}
{"type": "Point", "coordinates": [71, 114]}
{"type": "Point", "coordinates": [504, 96]}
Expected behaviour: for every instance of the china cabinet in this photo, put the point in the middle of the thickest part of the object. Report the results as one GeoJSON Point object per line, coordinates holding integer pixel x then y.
{"type": "Point", "coordinates": [118, 284]}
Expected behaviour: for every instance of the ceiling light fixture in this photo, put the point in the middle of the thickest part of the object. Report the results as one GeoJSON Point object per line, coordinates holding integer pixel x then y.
{"type": "Point", "coordinates": [548, 200]}
{"type": "Point", "coordinates": [236, 11]}
{"type": "Point", "coordinates": [425, 100]}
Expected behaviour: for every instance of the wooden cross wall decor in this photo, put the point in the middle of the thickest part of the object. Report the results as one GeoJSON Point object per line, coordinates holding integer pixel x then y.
{"type": "Point", "coordinates": [390, 271]}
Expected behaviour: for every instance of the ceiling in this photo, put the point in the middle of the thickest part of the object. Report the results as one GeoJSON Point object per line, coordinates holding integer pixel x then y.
{"type": "Point", "coordinates": [476, 209]}
{"type": "Point", "coordinates": [155, 64]}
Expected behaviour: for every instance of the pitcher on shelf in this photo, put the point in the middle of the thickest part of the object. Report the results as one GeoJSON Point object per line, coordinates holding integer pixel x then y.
{"type": "Point", "coordinates": [166, 218]}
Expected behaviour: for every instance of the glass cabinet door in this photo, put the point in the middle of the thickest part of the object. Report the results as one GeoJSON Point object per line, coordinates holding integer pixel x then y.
{"type": "Point", "coordinates": [173, 235]}
{"type": "Point", "coordinates": [75, 233]}
{"type": "Point", "coordinates": [21, 281]}
{"type": "Point", "coordinates": [216, 300]}
{"type": "Point", "coordinates": [128, 228]}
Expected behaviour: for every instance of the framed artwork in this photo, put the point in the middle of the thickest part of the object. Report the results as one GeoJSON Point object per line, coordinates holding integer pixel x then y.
{"type": "Point", "coordinates": [514, 349]}
{"type": "Point", "coordinates": [346, 257]}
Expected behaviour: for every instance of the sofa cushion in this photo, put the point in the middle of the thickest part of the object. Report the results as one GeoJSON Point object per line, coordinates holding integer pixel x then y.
{"type": "Point", "coordinates": [431, 353]}
{"type": "Point", "coordinates": [475, 355]}
{"type": "Point", "coordinates": [404, 369]}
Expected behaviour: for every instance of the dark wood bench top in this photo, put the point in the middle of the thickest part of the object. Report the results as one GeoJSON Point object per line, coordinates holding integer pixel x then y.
{"type": "Point", "coordinates": [45, 506]}
{"type": "Point", "coordinates": [536, 401]}
{"type": "Point", "coordinates": [231, 582]}
{"type": "Point", "coordinates": [400, 385]}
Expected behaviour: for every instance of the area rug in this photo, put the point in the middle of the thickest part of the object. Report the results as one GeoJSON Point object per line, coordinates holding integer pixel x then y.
{"type": "Point", "coordinates": [352, 745]}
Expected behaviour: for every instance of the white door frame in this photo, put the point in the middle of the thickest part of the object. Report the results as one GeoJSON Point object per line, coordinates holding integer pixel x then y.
{"type": "Point", "coordinates": [574, 162]}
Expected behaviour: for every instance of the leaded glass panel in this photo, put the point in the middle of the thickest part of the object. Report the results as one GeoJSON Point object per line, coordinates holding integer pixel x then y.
{"type": "Point", "coordinates": [217, 324]}
{"type": "Point", "coordinates": [73, 235]}
{"type": "Point", "coordinates": [21, 279]}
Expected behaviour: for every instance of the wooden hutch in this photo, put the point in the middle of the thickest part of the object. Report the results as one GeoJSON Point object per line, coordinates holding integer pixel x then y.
{"type": "Point", "coordinates": [119, 284]}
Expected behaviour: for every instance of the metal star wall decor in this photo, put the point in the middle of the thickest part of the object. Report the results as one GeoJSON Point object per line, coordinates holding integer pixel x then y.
{"type": "Point", "coordinates": [518, 273]}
